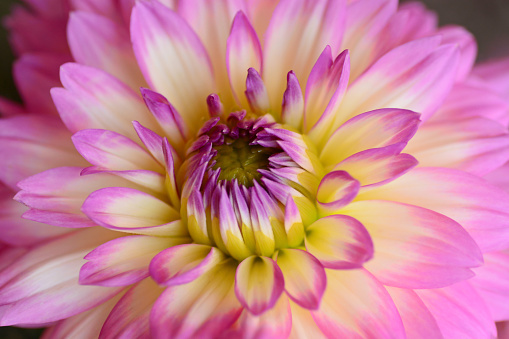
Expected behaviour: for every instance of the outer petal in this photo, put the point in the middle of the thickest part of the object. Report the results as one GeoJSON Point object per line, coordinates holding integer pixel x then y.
{"type": "Point", "coordinates": [418, 320]}
{"type": "Point", "coordinates": [275, 323]}
{"type": "Point", "coordinates": [172, 58]}
{"type": "Point", "coordinates": [203, 14]}
{"type": "Point", "coordinates": [466, 198]}
{"type": "Point", "coordinates": [297, 34]}
{"type": "Point", "coordinates": [303, 324]}
{"type": "Point", "coordinates": [29, 300]}
{"type": "Point", "coordinates": [467, 45]}
{"type": "Point", "coordinates": [84, 325]}
{"type": "Point", "coordinates": [97, 41]}
{"type": "Point", "coordinates": [339, 242]}
{"type": "Point", "coordinates": [130, 316]}
{"type": "Point", "coordinates": [56, 195]}
{"type": "Point", "coordinates": [304, 276]}
{"type": "Point", "coordinates": [459, 316]}
{"type": "Point", "coordinates": [495, 73]}
{"type": "Point", "coordinates": [476, 145]}
{"type": "Point", "coordinates": [203, 308]}
{"type": "Point", "coordinates": [492, 283]}
{"type": "Point", "coordinates": [415, 247]}
{"type": "Point", "coordinates": [129, 210]}
{"type": "Point", "coordinates": [259, 283]}
{"type": "Point", "coordinates": [95, 99]}
{"type": "Point", "coordinates": [373, 129]}
{"type": "Point", "coordinates": [182, 264]}
{"type": "Point", "coordinates": [123, 261]}
{"type": "Point", "coordinates": [43, 140]}
{"type": "Point", "coordinates": [419, 75]}
{"type": "Point", "coordinates": [356, 305]}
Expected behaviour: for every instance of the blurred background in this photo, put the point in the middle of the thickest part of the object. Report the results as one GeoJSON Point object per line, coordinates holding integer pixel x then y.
{"type": "Point", "coordinates": [488, 20]}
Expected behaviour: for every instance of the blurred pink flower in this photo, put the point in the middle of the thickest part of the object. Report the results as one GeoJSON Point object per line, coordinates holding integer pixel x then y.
{"type": "Point", "coordinates": [255, 186]}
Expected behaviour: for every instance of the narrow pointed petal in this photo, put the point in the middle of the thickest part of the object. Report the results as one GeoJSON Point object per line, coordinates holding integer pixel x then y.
{"type": "Point", "coordinates": [123, 261]}
{"type": "Point", "coordinates": [130, 316]}
{"type": "Point", "coordinates": [243, 52]}
{"type": "Point", "coordinates": [113, 151]}
{"type": "Point", "coordinates": [466, 198]}
{"type": "Point", "coordinates": [95, 99]}
{"type": "Point", "coordinates": [355, 304]}
{"type": "Point", "coordinates": [457, 316]}
{"type": "Point", "coordinates": [130, 210]}
{"type": "Point", "coordinates": [373, 129]}
{"type": "Point", "coordinates": [297, 34]}
{"type": "Point", "coordinates": [415, 247]}
{"type": "Point", "coordinates": [339, 242]}
{"type": "Point", "coordinates": [378, 166]}
{"type": "Point", "coordinates": [185, 263]}
{"type": "Point", "coordinates": [418, 321]}
{"type": "Point", "coordinates": [305, 279]}
{"type": "Point", "coordinates": [259, 283]}
{"type": "Point", "coordinates": [172, 58]}
{"type": "Point", "coordinates": [98, 41]}
{"type": "Point", "coordinates": [293, 223]}
{"type": "Point", "coordinates": [292, 112]}
{"type": "Point", "coordinates": [337, 189]}
{"type": "Point", "coordinates": [325, 89]}
{"type": "Point", "coordinates": [203, 308]}
{"type": "Point", "coordinates": [465, 40]}
{"type": "Point", "coordinates": [256, 93]}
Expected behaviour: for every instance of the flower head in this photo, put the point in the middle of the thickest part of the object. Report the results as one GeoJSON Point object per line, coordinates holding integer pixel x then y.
{"type": "Point", "coordinates": [260, 169]}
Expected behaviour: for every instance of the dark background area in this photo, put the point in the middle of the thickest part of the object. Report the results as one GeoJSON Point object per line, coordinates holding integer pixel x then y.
{"type": "Point", "coordinates": [488, 20]}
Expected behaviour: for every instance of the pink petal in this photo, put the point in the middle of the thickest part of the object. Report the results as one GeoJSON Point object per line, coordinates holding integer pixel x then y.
{"type": "Point", "coordinates": [297, 34]}
{"type": "Point", "coordinates": [467, 46]}
{"type": "Point", "coordinates": [203, 14]}
{"type": "Point", "coordinates": [373, 129]}
{"type": "Point", "coordinates": [355, 304]}
{"type": "Point", "coordinates": [459, 316]}
{"type": "Point", "coordinates": [365, 22]}
{"type": "Point", "coordinates": [31, 300]}
{"type": "Point", "coordinates": [96, 40]}
{"type": "Point", "coordinates": [415, 247]}
{"type": "Point", "coordinates": [184, 263]}
{"type": "Point", "coordinates": [259, 283]}
{"type": "Point", "coordinates": [303, 324]}
{"type": "Point", "coordinates": [172, 58]}
{"type": "Point", "coordinates": [495, 73]}
{"type": "Point", "coordinates": [130, 316]}
{"type": "Point", "coordinates": [113, 151]}
{"type": "Point", "coordinates": [337, 189]}
{"type": "Point", "coordinates": [202, 308]}
{"type": "Point", "coordinates": [256, 92]}
{"type": "Point", "coordinates": [93, 99]}
{"type": "Point", "coordinates": [466, 198]}
{"type": "Point", "coordinates": [129, 210]}
{"type": "Point", "coordinates": [339, 242]}
{"type": "Point", "coordinates": [476, 145]}
{"type": "Point", "coordinates": [56, 195]}
{"type": "Point", "coordinates": [304, 277]}
{"type": "Point", "coordinates": [418, 321]}
{"type": "Point", "coordinates": [43, 140]}
{"type": "Point", "coordinates": [292, 111]}
{"type": "Point", "coordinates": [123, 261]}
{"type": "Point", "coordinates": [492, 283]}
{"type": "Point", "coordinates": [243, 51]}
{"type": "Point", "coordinates": [378, 166]}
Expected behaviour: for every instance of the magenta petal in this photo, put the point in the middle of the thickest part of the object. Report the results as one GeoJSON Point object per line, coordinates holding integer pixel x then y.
{"type": "Point", "coordinates": [337, 189]}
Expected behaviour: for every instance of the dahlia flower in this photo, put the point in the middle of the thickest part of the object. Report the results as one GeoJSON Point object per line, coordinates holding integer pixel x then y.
{"type": "Point", "coordinates": [252, 169]}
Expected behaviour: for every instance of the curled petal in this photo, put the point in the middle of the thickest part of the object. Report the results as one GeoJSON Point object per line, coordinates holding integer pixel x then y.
{"type": "Point", "coordinates": [258, 284]}
{"type": "Point", "coordinates": [337, 189]}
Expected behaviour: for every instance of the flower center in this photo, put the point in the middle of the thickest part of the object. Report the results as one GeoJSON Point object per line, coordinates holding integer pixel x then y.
{"type": "Point", "coordinates": [239, 160]}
